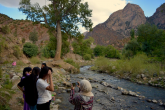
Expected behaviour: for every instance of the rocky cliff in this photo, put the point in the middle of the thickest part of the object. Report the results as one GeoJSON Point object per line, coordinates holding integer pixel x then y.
{"type": "Point", "coordinates": [158, 18]}
{"type": "Point", "coordinates": [118, 25]}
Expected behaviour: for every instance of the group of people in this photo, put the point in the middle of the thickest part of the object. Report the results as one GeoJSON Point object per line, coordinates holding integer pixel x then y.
{"type": "Point", "coordinates": [36, 85]}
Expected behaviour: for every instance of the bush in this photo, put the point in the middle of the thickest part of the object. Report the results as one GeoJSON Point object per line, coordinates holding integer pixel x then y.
{"type": "Point", "coordinates": [111, 52]}
{"type": "Point", "coordinates": [33, 36]}
{"type": "Point", "coordinates": [131, 49]}
{"type": "Point", "coordinates": [87, 57]}
{"type": "Point", "coordinates": [17, 52]}
{"type": "Point", "coordinates": [23, 40]}
{"type": "Point", "coordinates": [5, 29]}
{"type": "Point", "coordinates": [30, 50]}
{"type": "Point", "coordinates": [70, 61]}
{"type": "Point", "coordinates": [99, 50]}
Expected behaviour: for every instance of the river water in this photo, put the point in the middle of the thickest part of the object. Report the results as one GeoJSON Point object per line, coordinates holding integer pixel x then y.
{"type": "Point", "coordinates": [103, 100]}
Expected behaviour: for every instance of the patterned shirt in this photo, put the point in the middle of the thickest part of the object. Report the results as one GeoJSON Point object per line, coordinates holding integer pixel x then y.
{"type": "Point", "coordinates": [81, 102]}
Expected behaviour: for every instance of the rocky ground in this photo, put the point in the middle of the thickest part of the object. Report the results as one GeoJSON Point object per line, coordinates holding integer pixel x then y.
{"type": "Point", "coordinates": [110, 97]}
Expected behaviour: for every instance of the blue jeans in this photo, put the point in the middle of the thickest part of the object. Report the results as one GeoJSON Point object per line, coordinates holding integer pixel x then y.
{"type": "Point", "coordinates": [33, 107]}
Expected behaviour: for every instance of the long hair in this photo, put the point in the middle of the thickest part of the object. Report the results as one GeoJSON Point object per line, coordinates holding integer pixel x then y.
{"type": "Point", "coordinates": [26, 69]}
{"type": "Point", "coordinates": [44, 72]}
{"type": "Point", "coordinates": [36, 71]}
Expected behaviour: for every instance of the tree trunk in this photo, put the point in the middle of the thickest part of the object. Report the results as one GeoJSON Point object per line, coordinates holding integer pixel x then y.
{"type": "Point", "coordinates": [59, 42]}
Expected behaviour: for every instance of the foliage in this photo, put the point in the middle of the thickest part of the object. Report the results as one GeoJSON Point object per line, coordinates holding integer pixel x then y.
{"type": "Point", "coordinates": [3, 45]}
{"type": "Point", "coordinates": [6, 29]}
{"type": "Point", "coordinates": [82, 47]}
{"type": "Point", "coordinates": [50, 49]}
{"type": "Point", "coordinates": [16, 51]}
{"type": "Point", "coordinates": [33, 36]}
{"type": "Point", "coordinates": [152, 40]}
{"type": "Point", "coordinates": [131, 48]}
{"type": "Point", "coordinates": [35, 60]}
{"type": "Point", "coordinates": [63, 14]}
{"type": "Point", "coordinates": [87, 57]}
{"type": "Point", "coordinates": [23, 40]}
{"type": "Point", "coordinates": [7, 84]}
{"type": "Point", "coordinates": [70, 61]}
{"type": "Point", "coordinates": [99, 50]}
{"type": "Point", "coordinates": [132, 33]}
{"type": "Point", "coordinates": [139, 64]}
{"type": "Point", "coordinates": [111, 52]}
{"type": "Point", "coordinates": [30, 50]}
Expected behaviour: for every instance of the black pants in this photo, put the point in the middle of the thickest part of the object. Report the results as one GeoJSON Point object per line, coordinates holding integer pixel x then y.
{"type": "Point", "coordinates": [45, 106]}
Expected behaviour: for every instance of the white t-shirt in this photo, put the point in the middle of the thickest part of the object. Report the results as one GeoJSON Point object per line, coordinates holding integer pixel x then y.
{"type": "Point", "coordinates": [43, 94]}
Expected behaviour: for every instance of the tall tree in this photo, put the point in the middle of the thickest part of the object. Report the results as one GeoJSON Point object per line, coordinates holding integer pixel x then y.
{"type": "Point", "coordinates": [61, 14]}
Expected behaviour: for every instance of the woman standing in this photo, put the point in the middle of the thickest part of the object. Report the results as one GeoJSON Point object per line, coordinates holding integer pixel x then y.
{"type": "Point", "coordinates": [84, 99]}
{"type": "Point", "coordinates": [26, 72]}
{"type": "Point", "coordinates": [43, 88]}
{"type": "Point", "coordinates": [30, 90]}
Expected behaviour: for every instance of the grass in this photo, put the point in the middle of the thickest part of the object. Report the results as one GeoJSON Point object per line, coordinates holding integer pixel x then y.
{"type": "Point", "coordinates": [1, 72]}
{"type": "Point", "coordinates": [20, 63]}
{"type": "Point", "coordinates": [137, 65]}
{"type": "Point", "coordinates": [70, 61]}
{"type": "Point", "coordinates": [35, 60]}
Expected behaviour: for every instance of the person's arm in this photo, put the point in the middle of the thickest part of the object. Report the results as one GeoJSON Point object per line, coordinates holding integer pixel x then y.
{"type": "Point", "coordinates": [20, 88]}
{"type": "Point", "coordinates": [50, 87]}
{"type": "Point", "coordinates": [72, 93]}
{"type": "Point", "coordinates": [20, 85]}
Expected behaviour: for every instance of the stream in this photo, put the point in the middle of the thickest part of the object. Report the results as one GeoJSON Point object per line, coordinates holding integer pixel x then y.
{"type": "Point", "coordinates": [112, 99]}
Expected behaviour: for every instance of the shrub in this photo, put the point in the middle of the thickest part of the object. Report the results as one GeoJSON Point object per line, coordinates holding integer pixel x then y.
{"type": "Point", "coordinates": [30, 50]}
{"type": "Point", "coordinates": [131, 49]}
{"type": "Point", "coordinates": [45, 52]}
{"type": "Point", "coordinates": [5, 29]}
{"type": "Point", "coordinates": [33, 36]}
{"type": "Point", "coordinates": [87, 57]}
{"type": "Point", "coordinates": [111, 52]}
{"type": "Point", "coordinates": [99, 50]}
{"type": "Point", "coordinates": [16, 51]}
{"type": "Point", "coordinates": [70, 61]}
{"type": "Point", "coordinates": [23, 40]}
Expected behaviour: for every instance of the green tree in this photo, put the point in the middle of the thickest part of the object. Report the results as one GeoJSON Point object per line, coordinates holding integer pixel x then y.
{"type": "Point", "coordinates": [58, 14]}
{"type": "Point", "coordinates": [99, 50]}
{"type": "Point", "coordinates": [33, 36]}
{"type": "Point", "coordinates": [152, 40]}
{"type": "Point", "coordinates": [111, 52]}
{"type": "Point", "coordinates": [131, 48]}
{"type": "Point", "coordinates": [132, 33]}
{"type": "Point", "coordinates": [30, 50]}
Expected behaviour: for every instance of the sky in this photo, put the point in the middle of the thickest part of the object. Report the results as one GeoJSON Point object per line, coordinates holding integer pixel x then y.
{"type": "Point", "coordinates": [102, 9]}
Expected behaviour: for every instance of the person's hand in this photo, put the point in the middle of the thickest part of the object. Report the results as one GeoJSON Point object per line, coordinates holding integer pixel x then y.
{"type": "Point", "coordinates": [72, 87]}
{"type": "Point", "coordinates": [49, 73]}
{"type": "Point", "coordinates": [78, 85]}
{"type": "Point", "coordinates": [53, 98]}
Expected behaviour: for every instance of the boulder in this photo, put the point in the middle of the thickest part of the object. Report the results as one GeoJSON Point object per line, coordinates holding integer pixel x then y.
{"type": "Point", "coordinates": [138, 76]}
{"type": "Point", "coordinates": [68, 84]}
{"type": "Point", "coordinates": [142, 76]}
{"type": "Point", "coordinates": [154, 101]}
{"type": "Point", "coordinates": [15, 79]}
{"type": "Point", "coordinates": [26, 61]}
{"type": "Point", "coordinates": [57, 101]}
{"type": "Point", "coordinates": [125, 92]}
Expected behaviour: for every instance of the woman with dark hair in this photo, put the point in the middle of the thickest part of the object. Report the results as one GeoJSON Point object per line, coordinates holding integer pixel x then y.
{"type": "Point", "coordinates": [30, 90]}
{"type": "Point", "coordinates": [43, 88]}
{"type": "Point", "coordinates": [26, 72]}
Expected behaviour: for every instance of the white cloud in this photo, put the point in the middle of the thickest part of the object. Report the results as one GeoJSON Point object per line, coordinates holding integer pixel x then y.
{"type": "Point", "coordinates": [101, 8]}
{"type": "Point", "coordinates": [15, 3]}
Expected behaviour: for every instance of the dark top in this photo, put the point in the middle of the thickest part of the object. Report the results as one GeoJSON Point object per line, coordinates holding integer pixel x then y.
{"type": "Point", "coordinates": [30, 90]}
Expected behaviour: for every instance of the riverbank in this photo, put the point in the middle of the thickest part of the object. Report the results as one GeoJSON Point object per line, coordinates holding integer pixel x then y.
{"type": "Point", "coordinates": [113, 93]}
{"type": "Point", "coordinates": [138, 70]}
